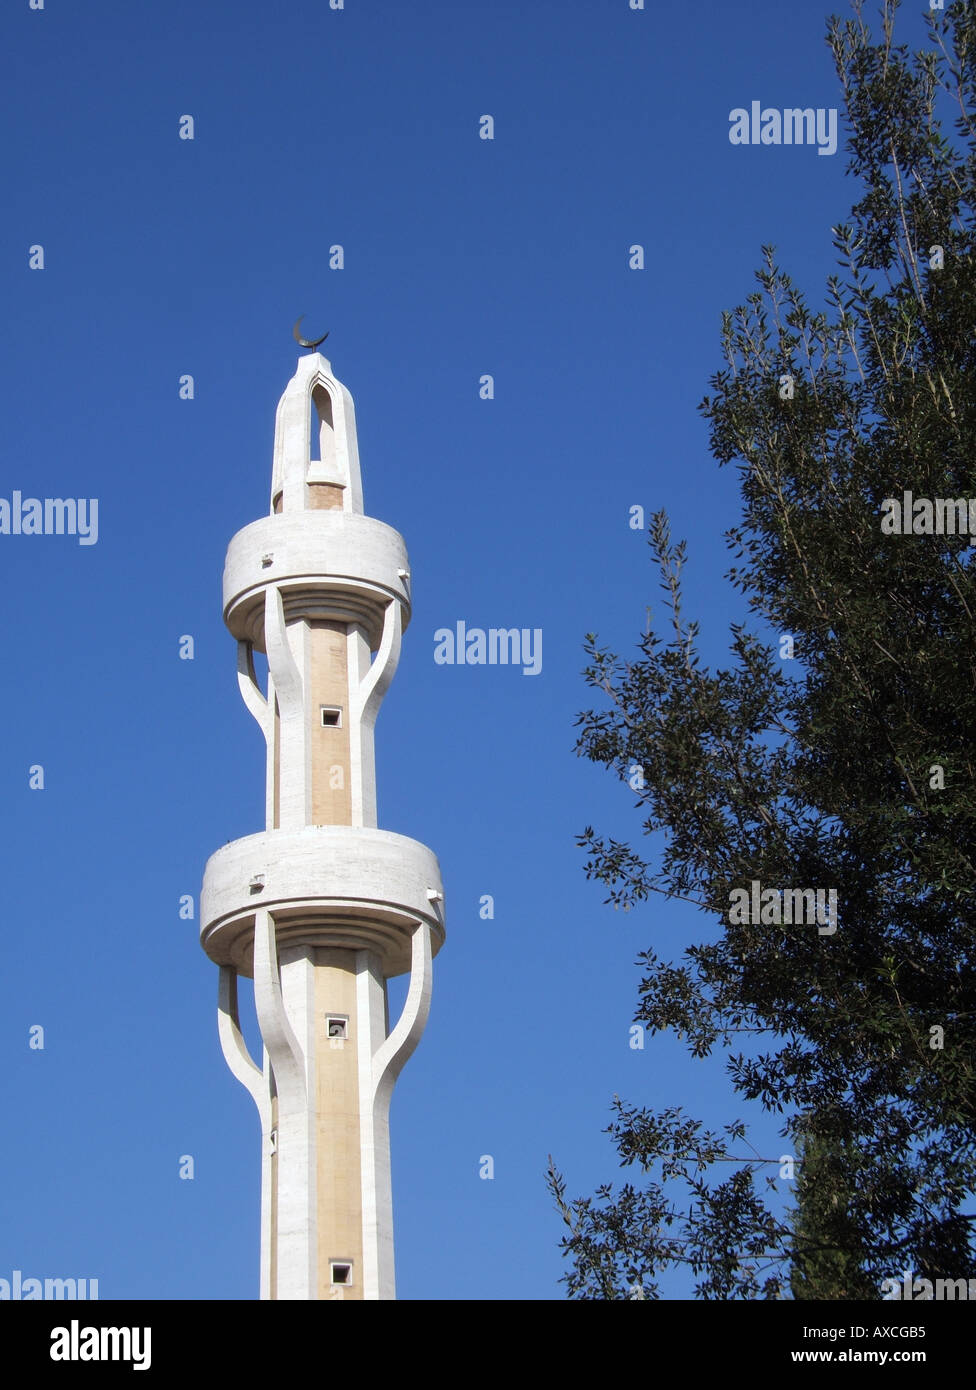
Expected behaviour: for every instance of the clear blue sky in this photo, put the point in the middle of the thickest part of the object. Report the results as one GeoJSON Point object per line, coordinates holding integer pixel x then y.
{"type": "Point", "coordinates": [462, 257]}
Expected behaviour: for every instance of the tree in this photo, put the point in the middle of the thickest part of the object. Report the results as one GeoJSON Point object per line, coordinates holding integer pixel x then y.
{"type": "Point", "coordinates": [849, 767]}
{"type": "Point", "coordinates": [827, 1261]}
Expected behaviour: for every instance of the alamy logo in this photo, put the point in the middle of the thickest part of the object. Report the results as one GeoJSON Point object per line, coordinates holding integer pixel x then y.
{"type": "Point", "coordinates": [926, 516]}
{"type": "Point", "coordinates": [19, 1289]}
{"type": "Point", "coordinates": [77, 1343]}
{"type": "Point", "coordinates": [794, 125]}
{"type": "Point", "coordinates": [50, 516]}
{"type": "Point", "coordinates": [774, 907]}
{"type": "Point", "coordinates": [925, 1290]}
{"type": "Point", "coordinates": [499, 646]}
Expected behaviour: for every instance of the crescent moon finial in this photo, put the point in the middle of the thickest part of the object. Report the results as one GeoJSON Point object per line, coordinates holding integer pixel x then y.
{"type": "Point", "coordinates": [304, 342]}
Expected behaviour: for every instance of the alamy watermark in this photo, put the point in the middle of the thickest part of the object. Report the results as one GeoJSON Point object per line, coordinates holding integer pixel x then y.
{"type": "Point", "coordinates": [18, 1289]}
{"type": "Point", "coordinates": [927, 1290]}
{"type": "Point", "coordinates": [77, 1343]}
{"type": "Point", "coordinates": [50, 516]}
{"type": "Point", "coordinates": [774, 907]}
{"type": "Point", "coordinates": [927, 516]}
{"type": "Point", "coordinates": [498, 646]}
{"type": "Point", "coordinates": [793, 125]}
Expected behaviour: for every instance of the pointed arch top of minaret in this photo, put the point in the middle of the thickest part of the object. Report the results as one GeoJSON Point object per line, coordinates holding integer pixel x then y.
{"type": "Point", "coordinates": [292, 443]}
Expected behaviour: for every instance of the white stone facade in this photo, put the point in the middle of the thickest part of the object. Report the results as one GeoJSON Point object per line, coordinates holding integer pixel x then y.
{"type": "Point", "coordinates": [321, 908]}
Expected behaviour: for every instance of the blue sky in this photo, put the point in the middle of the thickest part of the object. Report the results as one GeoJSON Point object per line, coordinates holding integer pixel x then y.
{"type": "Point", "coordinates": [358, 127]}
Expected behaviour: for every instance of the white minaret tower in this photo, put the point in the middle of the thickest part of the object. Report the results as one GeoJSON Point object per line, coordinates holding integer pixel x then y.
{"type": "Point", "coordinates": [322, 907]}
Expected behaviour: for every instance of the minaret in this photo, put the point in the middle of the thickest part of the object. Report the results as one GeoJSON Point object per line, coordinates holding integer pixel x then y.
{"type": "Point", "coordinates": [322, 908]}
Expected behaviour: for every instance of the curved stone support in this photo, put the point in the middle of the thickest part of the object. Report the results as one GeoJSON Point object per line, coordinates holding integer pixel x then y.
{"type": "Point", "coordinates": [294, 1157]}
{"type": "Point", "coordinates": [376, 682]}
{"type": "Point", "coordinates": [393, 1054]}
{"type": "Point", "coordinates": [367, 696]}
{"type": "Point", "coordinates": [289, 689]}
{"type": "Point", "coordinates": [379, 1276]}
{"type": "Point", "coordinates": [236, 1055]}
{"type": "Point", "coordinates": [257, 1083]}
{"type": "Point", "coordinates": [287, 1060]}
{"type": "Point", "coordinates": [281, 663]}
{"type": "Point", "coordinates": [247, 682]}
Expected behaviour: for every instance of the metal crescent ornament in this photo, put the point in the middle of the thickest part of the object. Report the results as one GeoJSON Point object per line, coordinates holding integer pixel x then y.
{"type": "Point", "coordinates": [304, 342]}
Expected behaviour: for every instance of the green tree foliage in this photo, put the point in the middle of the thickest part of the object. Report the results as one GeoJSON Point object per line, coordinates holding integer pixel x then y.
{"type": "Point", "coordinates": [849, 767]}
{"type": "Point", "coordinates": [828, 1256]}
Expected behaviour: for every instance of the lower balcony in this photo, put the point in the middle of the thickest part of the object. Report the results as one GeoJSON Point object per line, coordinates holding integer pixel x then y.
{"type": "Point", "coordinates": [343, 886]}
